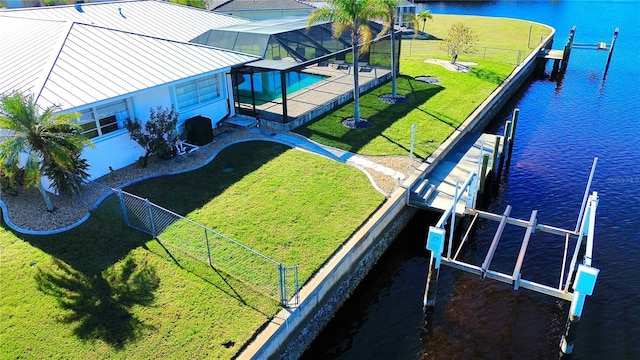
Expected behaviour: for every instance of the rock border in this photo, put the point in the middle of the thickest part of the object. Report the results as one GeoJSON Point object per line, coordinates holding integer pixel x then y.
{"type": "Point", "coordinates": [390, 99]}
{"type": "Point", "coordinates": [352, 124]}
{"type": "Point", "coordinates": [428, 79]}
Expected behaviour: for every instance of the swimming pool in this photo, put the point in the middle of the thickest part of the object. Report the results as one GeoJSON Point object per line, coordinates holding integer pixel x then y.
{"type": "Point", "coordinates": [268, 86]}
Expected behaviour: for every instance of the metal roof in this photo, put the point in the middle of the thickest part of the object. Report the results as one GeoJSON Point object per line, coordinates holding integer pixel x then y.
{"type": "Point", "coordinates": [236, 5]}
{"type": "Point", "coordinates": [27, 55]}
{"type": "Point", "coordinates": [272, 26]}
{"type": "Point", "coordinates": [71, 64]}
{"type": "Point", "coordinates": [148, 17]}
{"type": "Point", "coordinates": [274, 65]}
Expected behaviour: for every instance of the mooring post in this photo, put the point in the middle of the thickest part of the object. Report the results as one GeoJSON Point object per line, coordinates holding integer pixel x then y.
{"type": "Point", "coordinates": [496, 150]}
{"type": "Point", "coordinates": [505, 143]}
{"type": "Point", "coordinates": [567, 49]}
{"type": "Point", "coordinates": [554, 69]}
{"type": "Point", "coordinates": [613, 42]}
{"type": "Point", "coordinates": [435, 243]}
{"type": "Point", "coordinates": [483, 172]}
{"type": "Point", "coordinates": [512, 135]}
{"type": "Point", "coordinates": [584, 284]}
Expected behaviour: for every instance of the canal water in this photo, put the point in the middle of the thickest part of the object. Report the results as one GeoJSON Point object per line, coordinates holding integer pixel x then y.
{"type": "Point", "coordinates": [563, 125]}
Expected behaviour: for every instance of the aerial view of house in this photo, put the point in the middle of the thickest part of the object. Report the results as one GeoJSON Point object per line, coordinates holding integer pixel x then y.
{"type": "Point", "coordinates": [114, 61]}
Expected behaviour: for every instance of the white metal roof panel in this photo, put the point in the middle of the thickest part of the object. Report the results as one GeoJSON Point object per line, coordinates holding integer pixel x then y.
{"type": "Point", "coordinates": [148, 17]}
{"type": "Point", "coordinates": [85, 64]}
{"type": "Point", "coordinates": [235, 5]}
{"type": "Point", "coordinates": [28, 49]}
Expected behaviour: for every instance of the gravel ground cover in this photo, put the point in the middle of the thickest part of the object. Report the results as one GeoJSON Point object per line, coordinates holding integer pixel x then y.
{"type": "Point", "coordinates": [26, 209]}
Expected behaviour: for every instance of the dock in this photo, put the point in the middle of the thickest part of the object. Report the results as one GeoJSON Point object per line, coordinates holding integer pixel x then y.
{"type": "Point", "coordinates": [561, 57]}
{"type": "Point", "coordinates": [550, 54]}
{"type": "Point", "coordinates": [453, 186]}
{"type": "Point", "coordinates": [437, 190]}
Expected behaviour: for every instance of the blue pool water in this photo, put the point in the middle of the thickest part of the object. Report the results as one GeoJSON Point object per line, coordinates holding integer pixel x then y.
{"type": "Point", "coordinates": [268, 87]}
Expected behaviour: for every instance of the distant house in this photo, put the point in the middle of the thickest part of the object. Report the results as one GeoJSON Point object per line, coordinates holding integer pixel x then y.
{"type": "Point", "coordinates": [114, 61]}
{"type": "Point", "coordinates": [271, 9]}
{"type": "Point", "coordinates": [261, 9]}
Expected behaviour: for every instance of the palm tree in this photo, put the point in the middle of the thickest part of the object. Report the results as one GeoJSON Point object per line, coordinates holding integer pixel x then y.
{"type": "Point", "coordinates": [390, 7]}
{"type": "Point", "coordinates": [35, 140]}
{"type": "Point", "coordinates": [354, 16]}
{"type": "Point", "coordinates": [424, 16]}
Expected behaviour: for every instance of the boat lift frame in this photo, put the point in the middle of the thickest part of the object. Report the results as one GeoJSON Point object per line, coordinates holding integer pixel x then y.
{"type": "Point", "coordinates": [574, 287]}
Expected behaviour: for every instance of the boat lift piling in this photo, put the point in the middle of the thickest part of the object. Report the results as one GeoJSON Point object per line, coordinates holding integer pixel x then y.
{"type": "Point", "coordinates": [567, 50]}
{"type": "Point", "coordinates": [507, 143]}
{"type": "Point", "coordinates": [613, 42]}
{"type": "Point", "coordinates": [578, 283]}
{"type": "Point", "coordinates": [561, 57]}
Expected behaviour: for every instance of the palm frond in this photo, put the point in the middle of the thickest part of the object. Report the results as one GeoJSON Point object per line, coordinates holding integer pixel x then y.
{"type": "Point", "coordinates": [46, 137]}
{"type": "Point", "coordinates": [32, 172]}
{"type": "Point", "coordinates": [365, 35]}
{"type": "Point", "coordinates": [318, 15]}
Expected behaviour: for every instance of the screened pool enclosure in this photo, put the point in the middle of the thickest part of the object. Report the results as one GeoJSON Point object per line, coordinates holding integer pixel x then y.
{"type": "Point", "coordinates": [294, 58]}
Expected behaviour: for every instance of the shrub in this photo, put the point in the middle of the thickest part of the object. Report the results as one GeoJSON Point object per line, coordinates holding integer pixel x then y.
{"type": "Point", "coordinates": [68, 181]}
{"type": "Point", "coordinates": [159, 135]}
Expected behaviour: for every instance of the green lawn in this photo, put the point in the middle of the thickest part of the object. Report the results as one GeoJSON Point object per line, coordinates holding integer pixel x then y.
{"type": "Point", "coordinates": [105, 291]}
{"type": "Point", "coordinates": [435, 109]}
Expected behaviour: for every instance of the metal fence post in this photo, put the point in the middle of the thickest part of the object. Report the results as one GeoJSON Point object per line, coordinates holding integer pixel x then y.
{"type": "Point", "coordinates": [125, 215]}
{"type": "Point", "coordinates": [151, 222]}
{"type": "Point", "coordinates": [297, 284]}
{"type": "Point", "coordinates": [281, 279]}
{"type": "Point", "coordinates": [206, 237]}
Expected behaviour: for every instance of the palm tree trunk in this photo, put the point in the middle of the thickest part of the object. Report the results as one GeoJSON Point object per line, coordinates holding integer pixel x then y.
{"type": "Point", "coordinates": [356, 86]}
{"type": "Point", "coordinates": [47, 198]}
{"type": "Point", "coordinates": [393, 60]}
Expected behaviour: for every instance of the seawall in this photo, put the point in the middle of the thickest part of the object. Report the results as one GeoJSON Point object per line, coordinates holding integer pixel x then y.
{"type": "Point", "coordinates": [293, 329]}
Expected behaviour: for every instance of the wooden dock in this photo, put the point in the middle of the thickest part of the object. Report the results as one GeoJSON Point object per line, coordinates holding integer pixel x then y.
{"type": "Point", "coordinates": [437, 190]}
{"type": "Point", "coordinates": [549, 54]}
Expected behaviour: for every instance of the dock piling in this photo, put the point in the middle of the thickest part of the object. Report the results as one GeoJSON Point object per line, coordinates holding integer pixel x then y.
{"type": "Point", "coordinates": [505, 143]}
{"type": "Point", "coordinates": [483, 173]}
{"type": "Point", "coordinates": [585, 283]}
{"type": "Point", "coordinates": [613, 42]}
{"type": "Point", "coordinates": [435, 243]}
{"type": "Point", "coordinates": [512, 134]}
{"type": "Point", "coordinates": [496, 148]}
{"type": "Point", "coordinates": [567, 50]}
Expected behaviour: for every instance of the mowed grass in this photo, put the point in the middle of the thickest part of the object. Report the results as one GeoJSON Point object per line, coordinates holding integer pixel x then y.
{"type": "Point", "coordinates": [289, 205]}
{"type": "Point", "coordinates": [436, 109]}
{"type": "Point", "coordinates": [104, 290]}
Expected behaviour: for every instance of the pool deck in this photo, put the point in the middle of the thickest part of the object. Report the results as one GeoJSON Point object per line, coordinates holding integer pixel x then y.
{"type": "Point", "coordinates": [338, 83]}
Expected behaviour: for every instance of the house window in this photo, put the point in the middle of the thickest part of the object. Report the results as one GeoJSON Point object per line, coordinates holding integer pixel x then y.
{"type": "Point", "coordinates": [101, 120]}
{"type": "Point", "coordinates": [199, 91]}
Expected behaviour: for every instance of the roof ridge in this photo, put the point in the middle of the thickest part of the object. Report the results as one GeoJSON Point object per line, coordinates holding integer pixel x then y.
{"type": "Point", "coordinates": [53, 61]}
{"type": "Point", "coordinates": [223, 4]}
{"type": "Point", "coordinates": [163, 39]}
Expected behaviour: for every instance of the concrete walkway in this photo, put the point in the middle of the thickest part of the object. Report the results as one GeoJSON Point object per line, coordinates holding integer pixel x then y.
{"type": "Point", "coordinates": [299, 141]}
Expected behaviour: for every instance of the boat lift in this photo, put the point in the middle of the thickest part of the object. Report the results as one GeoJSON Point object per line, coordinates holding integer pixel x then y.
{"type": "Point", "coordinates": [577, 280]}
